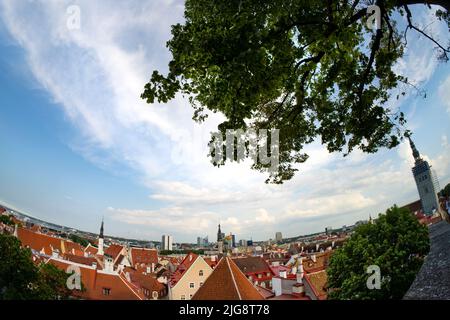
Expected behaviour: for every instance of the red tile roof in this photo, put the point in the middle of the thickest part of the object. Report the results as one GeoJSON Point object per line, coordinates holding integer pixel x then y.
{"type": "Point", "coordinates": [143, 255]}
{"type": "Point", "coordinates": [42, 242]}
{"type": "Point", "coordinates": [321, 262]}
{"type": "Point", "coordinates": [249, 265]}
{"type": "Point", "coordinates": [90, 249]}
{"type": "Point", "coordinates": [227, 282]}
{"type": "Point", "coordinates": [212, 263]}
{"type": "Point", "coordinates": [148, 283]}
{"type": "Point", "coordinates": [318, 281]}
{"type": "Point", "coordinates": [88, 261]}
{"type": "Point", "coordinates": [114, 250]}
{"type": "Point", "coordinates": [97, 283]}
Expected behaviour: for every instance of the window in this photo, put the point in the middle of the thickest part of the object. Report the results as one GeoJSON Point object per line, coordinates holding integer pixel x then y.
{"type": "Point", "coordinates": [259, 276]}
{"type": "Point", "coordinates": [106, 291]}
{"type": "Point", "coordinates": [191, 285]}
{"type": "Point", "coordinates": [183, 297]}
{"type": "Point", "coordinates": [200, 273]}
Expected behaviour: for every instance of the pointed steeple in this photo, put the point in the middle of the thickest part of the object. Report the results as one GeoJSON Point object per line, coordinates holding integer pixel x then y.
{"type": "Point", "coordinates": [219, 234]}
{"type": "Point", "coordinates": [415, 152]}
{"type": "Point", "coordinates": [101, 230]}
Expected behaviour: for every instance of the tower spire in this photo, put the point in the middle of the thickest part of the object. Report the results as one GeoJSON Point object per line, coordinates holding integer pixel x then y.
{"type": "Point", "coordinates": [415, 152]}
{"type": "Point", "coordinates": [219, 234]}
{"type": "Point", "coordinates": [101, 229]}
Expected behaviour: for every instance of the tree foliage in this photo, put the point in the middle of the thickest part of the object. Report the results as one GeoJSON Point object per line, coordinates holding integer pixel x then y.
{"type": "Point", "coordinates": [445, 192]}
{"type": "Point", "coordinates": [6, 220]}
{"type": "Point", "coordinates": [396, 242]}
{"type": "Point", "coordinates": [80, 240]}
{"type": "Point", "coordinates": [21, 279]}
{"type": "Point", "coordinates": [312, 69]}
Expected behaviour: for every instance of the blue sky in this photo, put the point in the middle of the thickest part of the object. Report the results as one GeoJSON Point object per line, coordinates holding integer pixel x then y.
{"type": "Point", "coordinates": [77, 142]}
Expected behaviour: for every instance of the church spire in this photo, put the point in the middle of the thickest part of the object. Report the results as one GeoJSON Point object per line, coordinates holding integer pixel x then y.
{"type": "Point", "coordinates": [415, 152]}
{"type": "Point", "coordinates": [101, 230]}
{"type": "Point", "coordinates": [219, 234]}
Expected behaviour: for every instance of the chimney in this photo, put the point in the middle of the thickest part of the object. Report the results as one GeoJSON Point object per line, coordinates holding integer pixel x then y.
{"type": "Point", "coordinates": [55, 254]}
{"type": "Point", "coordinates": [213, 258]}
{"type": "Point", "coordinates": [317, 247]}
{"type": "Point", "coordinates": [153, 267]}
{"type": "Point", "coordinates": [313, 258]}
{"type": "Point", "coordinates": [283, 274]}
{"type": "Point", "coordinates": [94, 264]}
{"type": "Point", "coordinates": [332, 244]}
{"type": "Point", "coordinates": [300, 272]}
{"type": "Point", "coordinates": [108, 263]}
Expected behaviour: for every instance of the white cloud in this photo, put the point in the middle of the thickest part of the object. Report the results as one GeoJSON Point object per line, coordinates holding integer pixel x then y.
{"type": "Point", "coordinates": [444, 93]}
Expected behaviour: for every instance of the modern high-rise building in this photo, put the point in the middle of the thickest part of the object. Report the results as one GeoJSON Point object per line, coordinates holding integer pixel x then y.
{"type": "Point", "coordinates": [166, 242]}
{"type": "Point", "coordinates": [278, 237]}
{"type": "Point", "coordinates": [426, 182]}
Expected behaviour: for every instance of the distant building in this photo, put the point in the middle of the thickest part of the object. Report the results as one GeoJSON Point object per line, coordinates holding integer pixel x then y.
{"type": "Point", "coordinates": [243, 243]}
{"type": "Point", "coordinates": [278, 237]}
{"type": "Point", "coordinates": [220, 238]}
{"type": "Point", "coordinates": [166, 242]}
{"type": "Point", "coordinates": [202, 242]}
{"type": "Point", "coordinates": [233, 240]}
{"type": "Point", "coordinates": [426, 182]}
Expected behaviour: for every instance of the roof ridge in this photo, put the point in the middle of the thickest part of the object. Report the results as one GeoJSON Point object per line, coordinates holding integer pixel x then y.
{"type": "Point", "coordinates": [232, 277]}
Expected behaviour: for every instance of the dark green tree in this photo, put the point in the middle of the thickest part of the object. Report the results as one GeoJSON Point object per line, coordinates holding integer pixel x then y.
{"type": "Point", "coordinates": [6, 220]}
{"type": "Point", "coordinates": [446, 191]}
{"type": "Point", "coordinates": [396, 242]}
{"type": "Point", "coordinates": [52, 283]}
{"type": "Point", "coordinates": [17, 271]}
{"type": "Point", "coordinates": [312, 69]}
{"type": "Point", "coordinates": [77, 239]}
{"type": "Point", "coordinates": [21, 279]}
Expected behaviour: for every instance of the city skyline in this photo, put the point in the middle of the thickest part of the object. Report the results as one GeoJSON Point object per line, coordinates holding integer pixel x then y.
{"type": "Point", "coordinates": [78, 143]}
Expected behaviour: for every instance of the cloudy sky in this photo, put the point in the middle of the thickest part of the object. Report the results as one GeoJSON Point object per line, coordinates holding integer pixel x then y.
{"type": "Point", "coordinates": [77, 143]}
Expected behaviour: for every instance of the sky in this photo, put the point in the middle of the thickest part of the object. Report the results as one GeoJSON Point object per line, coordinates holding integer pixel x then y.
{"type": "Point", "coordinates": [78, 144]}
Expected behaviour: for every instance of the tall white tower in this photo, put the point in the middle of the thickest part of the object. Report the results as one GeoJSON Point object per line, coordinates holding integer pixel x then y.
{"type": "Point", "coordinates": [426, 182]}
{"type": "Point", "coordinates": [100, 241]}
